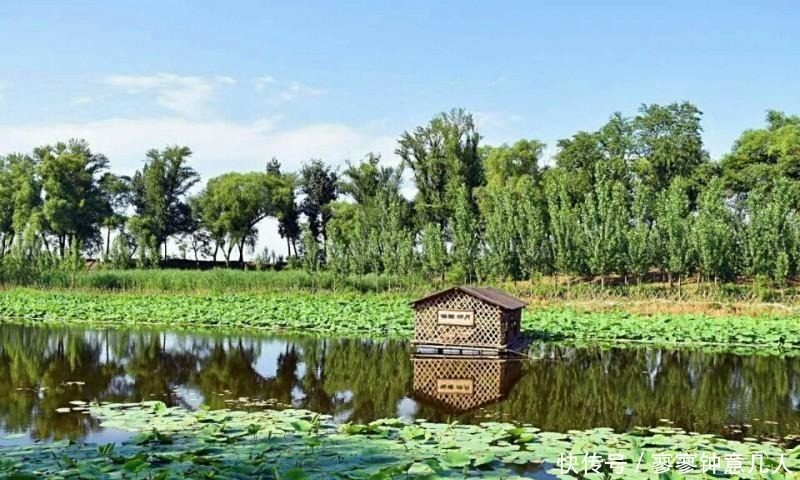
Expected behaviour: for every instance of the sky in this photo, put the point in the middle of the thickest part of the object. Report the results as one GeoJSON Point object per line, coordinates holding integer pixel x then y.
{"type": "Point", "coordinates": [240, 82]}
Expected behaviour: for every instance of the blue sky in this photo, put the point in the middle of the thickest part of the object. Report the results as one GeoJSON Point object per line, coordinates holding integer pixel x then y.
{"type": "Point", "coordinates": [240, 82]}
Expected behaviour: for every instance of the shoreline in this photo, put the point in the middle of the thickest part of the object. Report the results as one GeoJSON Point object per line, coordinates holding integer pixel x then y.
{"type": "Point", "coordinates": [385, 316]}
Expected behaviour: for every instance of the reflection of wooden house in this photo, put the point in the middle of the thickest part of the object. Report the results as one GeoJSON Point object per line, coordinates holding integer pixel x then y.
{"type": "Point", "coordinates": [481, 318]}
{"type": "Point", "coordinates": [464, 383]}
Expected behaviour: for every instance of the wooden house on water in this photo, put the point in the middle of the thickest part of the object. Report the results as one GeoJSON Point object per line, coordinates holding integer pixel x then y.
{"type": "Point", "coordinates": [480, 320]}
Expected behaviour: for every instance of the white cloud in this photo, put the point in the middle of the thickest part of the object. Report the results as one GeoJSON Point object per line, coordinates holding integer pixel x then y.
{"type": "Point", "coordinates": [218, 146]}
{"type": "Point", "coordinates": [188, 95]}
{"type": "Point", "coordinates": [282, 91]}
{"type": "Point", "coordinates": [81, 100]}
{"type": "Point", "coordinates": [263, 82]}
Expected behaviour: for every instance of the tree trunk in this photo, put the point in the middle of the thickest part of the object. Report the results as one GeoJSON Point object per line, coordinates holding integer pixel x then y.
{"type": "Point", "coordinates": [108, 240]}
{"type": "Point", "coordinates": [241, 254]}
{"type": "Point", "coordinates": [216, 249]}
{"type": "Point", "coordinates": [165, 249]}
{"type": "Point", "coordinates": [227, 253]}
{"type": "Point", "coordinates": [288, 248]}
{"type": "Point", "coordinates": [669, 279]}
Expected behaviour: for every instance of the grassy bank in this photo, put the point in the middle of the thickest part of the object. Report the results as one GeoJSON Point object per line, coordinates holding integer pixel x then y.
{"type": "Point", "coordinates": [382, 316]}
{"type": "Point", "coordinates": [748, 294]}
{"type": "Point", "coordinates": [296, 444]}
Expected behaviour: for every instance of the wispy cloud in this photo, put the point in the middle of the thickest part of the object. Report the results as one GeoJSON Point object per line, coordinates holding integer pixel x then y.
{"type": "Point", "coordinates": [81, 100]}
{"type": "Point", "coordinates": [219, 145]}
{"type": "Point", "coordinates": [497, 81]}
{"type": "Point", "coordinates": [187, 95]}
{"type": "Point", "coordinates": [495, 119]}
{"type": "Point", "coordinates": [278, 91]}
{"type": "Point", "coordinates": [263, 82]}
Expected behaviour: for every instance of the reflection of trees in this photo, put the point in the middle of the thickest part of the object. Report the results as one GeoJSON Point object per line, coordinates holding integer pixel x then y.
{"type": "Point", "coordinates": [229, 368]}
{"type": "Point", "coordinates": [364, 380]}
{"type": "Point", "coordinates": [374, 375]}
{"type": "Point", "coordinates": [35, 366]}
{"type": "Point", "coordinates": [622, 388]}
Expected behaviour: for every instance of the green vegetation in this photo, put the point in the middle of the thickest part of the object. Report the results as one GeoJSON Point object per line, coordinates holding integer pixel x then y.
{"type": "Point", "coordinates": [373, 316]}
{"type": "Point", "coordinates": [298, 444]}
{"type": "Point", "coordinates": [635, 201]}
{"type": "Point", "coordinates": [379, 316]}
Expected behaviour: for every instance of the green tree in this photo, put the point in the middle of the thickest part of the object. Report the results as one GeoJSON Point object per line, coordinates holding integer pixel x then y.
{"type": "Point", "coordinates": [501, 235]}
{"type": "Point", "coordinates": [530, 223]}
{"type": "Point", "coordinates": [640, 236]}
{"type": "Point", "coordinates": [604, 222]}
{"type": "Point", "coordinates": [564, 224]}
{"type": "Point", "coordinates": [116, 191]}
{"type": "Point", "coordinates": [20, 196]}
{"type": "Point", "coordinates": [289, 214]}
{"type": "Point", "coordinates": [770, 232]}
{"type": "Point", "coordinates": [761, 156]}
{"type": "Point", "coordinates": [674, 225]}
{"type": "Point", "coordinates": [434, 251]}
{"type": "Point", "coordinates": [74, 203]}
{"type": "Point", "coordinates": [713, 234]}
{"type": "Point", "coordinates": [319, 185]}
{"type": "Point", "coordinates": [506, 165]}
{"type": "Point", "coordinates": [466, 236]}
{"type": "Point", "coordinates": [442, 155]}
{"type": "Point", "coordinates": [234, 203]}
{"type": "Point", "coordinates": [158, 195]}
{"type": "Point", "coordinates": [668, 143]}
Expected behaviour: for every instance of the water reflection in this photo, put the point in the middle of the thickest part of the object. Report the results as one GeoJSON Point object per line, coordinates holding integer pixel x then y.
{"type": "Point", "coordinates": [461, 384]}
{"type": "Point", "coordinates": [565, 388]}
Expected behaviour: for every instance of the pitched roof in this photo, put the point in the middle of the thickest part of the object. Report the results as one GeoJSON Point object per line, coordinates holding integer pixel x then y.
{"type": "Point", "coordinates": [487, 294]}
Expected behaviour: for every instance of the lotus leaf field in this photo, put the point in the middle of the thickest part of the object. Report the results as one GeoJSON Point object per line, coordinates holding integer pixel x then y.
{"type": "Point", "coordinates": [381, 316]}
{"type": "Point", "coordinates": [170, 442]}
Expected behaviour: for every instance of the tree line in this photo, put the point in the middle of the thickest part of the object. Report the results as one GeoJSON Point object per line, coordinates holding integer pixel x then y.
{"type": "Point", "coordinates": [639, 196]}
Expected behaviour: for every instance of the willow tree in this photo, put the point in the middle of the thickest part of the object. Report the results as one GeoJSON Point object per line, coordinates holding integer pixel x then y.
{"type": "Point", "coordinates": [234, 203]}
{"type": "Point", "coordinates": [158, 195]}
{"type": "Point", "coordinates": [74, 204]}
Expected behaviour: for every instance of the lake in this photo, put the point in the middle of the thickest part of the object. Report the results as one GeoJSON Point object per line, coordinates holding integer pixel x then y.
{"type": "Point", "coordinates": [562, 387]}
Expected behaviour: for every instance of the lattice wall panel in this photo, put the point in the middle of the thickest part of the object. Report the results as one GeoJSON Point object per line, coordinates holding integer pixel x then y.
{"type": "Point", "coordinates": [487, 332]}
{"type": "Point", "coordinates": [487, 379]}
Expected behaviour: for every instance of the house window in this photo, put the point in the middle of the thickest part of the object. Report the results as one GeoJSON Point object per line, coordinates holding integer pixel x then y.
{"type": "Point", "coordinates": [462, 318]}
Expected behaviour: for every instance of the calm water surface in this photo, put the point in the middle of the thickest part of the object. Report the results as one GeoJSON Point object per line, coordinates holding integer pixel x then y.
{"type": "Point", "coordinates": [42, 369]}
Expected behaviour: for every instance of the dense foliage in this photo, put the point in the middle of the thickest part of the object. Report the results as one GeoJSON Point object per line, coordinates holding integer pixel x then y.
{"type": "Point", "coordinates": [170, 442]}
{"type": "Point", "coordinates": [381, 316]}
{"type": "Point", "coordinates": [636, 198]}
